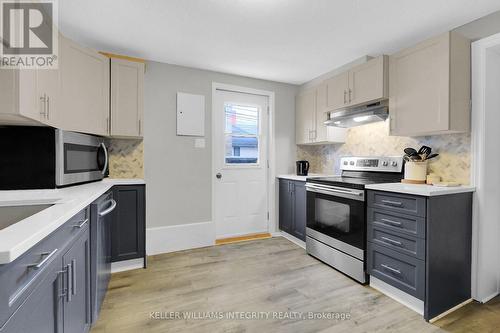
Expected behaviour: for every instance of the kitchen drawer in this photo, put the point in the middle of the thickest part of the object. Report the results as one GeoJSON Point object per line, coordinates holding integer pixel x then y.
{"type": "Point", "coordinates": [401, 203]}
{"type": "Point", "coordinates": [19, 278]}
{"type": "Point", "coordinates": [408, 245]}
{"type": "Point", "coordinates": [401, 271]}
{"type": "Point", "coordinates": [399, 223]}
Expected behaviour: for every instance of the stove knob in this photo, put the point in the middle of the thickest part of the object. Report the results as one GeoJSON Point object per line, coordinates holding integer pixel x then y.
{"type": "Point", "coordinates": [345, 162]}
{"type": "Point", "coordinates": [394, 163]}
{"type": "Point", "coordinates": [385, 163]}
{"type": "Point", "coordinates": [351, 163]}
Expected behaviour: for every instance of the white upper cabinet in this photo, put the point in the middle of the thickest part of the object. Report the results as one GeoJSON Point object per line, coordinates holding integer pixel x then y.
{"type": "Point", "coordinates": [29, 96]}
{"type": "Point", "coordinates": [127, 98]}
{"type": "Point", "coordinates": [430, 87]}
{"type": "Point", "coordinates": [305, 106]}
{"type": "Point", "coordinates": [368, 82]}
{"type": "Point", "coordinates": [361, 84]}
{"type": "Point", "coordinates": [84, 89]}
{"type": "Point", "coordinates": [337, 89]}
{"type": "Point", "coordinates": [310, 117]}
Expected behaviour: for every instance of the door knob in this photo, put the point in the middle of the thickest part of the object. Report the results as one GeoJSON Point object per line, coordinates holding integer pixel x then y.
{"type": "Point", "coordinates": [219, 175]}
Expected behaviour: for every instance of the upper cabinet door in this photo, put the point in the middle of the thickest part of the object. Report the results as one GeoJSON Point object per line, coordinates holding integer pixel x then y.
{"type": "Point", "coordinates": [321, 113]}
{"type": "Point", "coordinates": [424, 80]}
{"type": "Point", "coordinates": [48, 93]}
{"type": "Point", "coordinates": [305, 116]}
{"type": "Point", "coordinates": [368, 81]}
{"type": "Point", "coordinates": [84, 89]}
{"type": "Point", "coordinates": [127, 98]}
{"type": "Point", "coordinates": [337, 91]}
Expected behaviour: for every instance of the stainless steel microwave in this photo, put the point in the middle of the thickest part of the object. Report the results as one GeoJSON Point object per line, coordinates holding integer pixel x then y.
{"type": "Point", "coordinates": [43, 157]}
{"type": "Point", "coordinates": [80, 158]}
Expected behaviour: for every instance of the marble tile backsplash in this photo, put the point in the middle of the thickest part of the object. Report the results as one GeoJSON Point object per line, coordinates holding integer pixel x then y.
{"type": "Point", "coordinates": [126, 158]}
{"type": "Point", "coordinates": [452, 164]}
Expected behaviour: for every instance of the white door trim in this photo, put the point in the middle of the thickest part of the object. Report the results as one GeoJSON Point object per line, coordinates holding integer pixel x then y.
{"type": "Point", "coordinates": [271, 151]}
{"type": "Point", "coordinates": [478, 142]}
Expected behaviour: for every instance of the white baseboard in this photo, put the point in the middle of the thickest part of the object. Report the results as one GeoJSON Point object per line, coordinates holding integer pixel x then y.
{"type": "Point", "coordinates": [407, 300]}
{"type": "Point", "coordinates": [127, 265]}
{"type": "Point", "coordinates": [179, 237]}
{"type": "Point", "coordinates": [291, 238]}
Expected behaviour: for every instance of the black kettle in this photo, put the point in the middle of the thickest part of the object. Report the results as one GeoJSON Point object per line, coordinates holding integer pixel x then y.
{"type": "Point", "coordinates": [302, 168]}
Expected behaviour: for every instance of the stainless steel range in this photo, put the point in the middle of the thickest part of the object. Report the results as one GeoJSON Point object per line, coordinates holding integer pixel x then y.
{"type": "Point", "coordinates": [336, 212]}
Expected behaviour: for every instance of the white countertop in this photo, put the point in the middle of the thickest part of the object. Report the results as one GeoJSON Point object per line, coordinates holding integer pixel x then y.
{"type": "Point", "coordinates": [423, 190]}
{"type": "Point", "coordinates": [21, 236]}
{"type": "Point", "coordinates": [302, 178]}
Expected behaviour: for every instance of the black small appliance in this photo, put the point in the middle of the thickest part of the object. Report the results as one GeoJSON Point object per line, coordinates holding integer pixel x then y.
{"type": "Point", "coordinates": [302, 168]}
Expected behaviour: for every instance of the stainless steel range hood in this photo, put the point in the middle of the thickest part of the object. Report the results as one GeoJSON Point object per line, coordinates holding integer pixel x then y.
{"type": "Point", "coordinates": [359, 115]}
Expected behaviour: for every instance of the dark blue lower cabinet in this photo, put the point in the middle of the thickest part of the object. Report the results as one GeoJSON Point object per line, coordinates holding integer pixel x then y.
{"type": "Point", "coordinates": [43, 310]}
{"type": "Point", "coordinates": [129, 223]}
{"type": "Point", "coordinates": [76, 265]}
{"type": "Point", "coordinates": [422, 246]}
{"type": "Point", "coordinates": [59, 300]}
{"type": "Point", "coordinates": [292, 208]}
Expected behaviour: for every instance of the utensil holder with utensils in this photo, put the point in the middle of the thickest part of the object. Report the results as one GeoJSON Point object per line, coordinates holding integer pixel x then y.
{"type": "Point", "coordinates": [416, 164]}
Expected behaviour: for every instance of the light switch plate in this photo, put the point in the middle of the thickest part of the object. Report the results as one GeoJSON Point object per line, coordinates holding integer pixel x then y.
{"type": "Point", "coordinates": [199, 143]}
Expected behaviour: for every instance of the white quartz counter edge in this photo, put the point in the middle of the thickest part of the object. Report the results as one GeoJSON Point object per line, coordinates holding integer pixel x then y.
{"type": "Point", "coordinates": [20, 237]}
{"type": "Point", "coordinates": [301, 178]}
{"type": "Point", "coordinates": [422, 190]}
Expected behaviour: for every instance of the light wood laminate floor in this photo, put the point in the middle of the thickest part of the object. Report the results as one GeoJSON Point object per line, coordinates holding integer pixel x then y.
{"type": "Point", "coordinates": [270, 276]}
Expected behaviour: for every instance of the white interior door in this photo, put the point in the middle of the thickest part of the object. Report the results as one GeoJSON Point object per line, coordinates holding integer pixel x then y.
{"type": "Point", "coordinates": [240, 155]}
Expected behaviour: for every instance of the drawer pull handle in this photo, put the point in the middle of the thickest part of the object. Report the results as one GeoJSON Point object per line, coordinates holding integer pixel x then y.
{"type": "Point", "coordinates": [393, 270]}
{"type": "Point", "coordinates": [391, 222]}
{"type": "Point", "coordinates": [391, 241]}
{"type": "Point", "coordinates": [44, 261]}
{"type": "Point", "coordinates": [81, 225]}
{"type": "Point", "coordinates": [392, 203]}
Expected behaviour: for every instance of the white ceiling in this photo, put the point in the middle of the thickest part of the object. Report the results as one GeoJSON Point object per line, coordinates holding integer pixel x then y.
{"type": "Point", "coordinates": [289, 41]}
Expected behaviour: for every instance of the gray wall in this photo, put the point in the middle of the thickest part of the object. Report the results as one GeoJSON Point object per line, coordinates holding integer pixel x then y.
{"type": "Point", "coordinates": [178, 175]}
{"type": "Point", "coordinates": [483, 27]}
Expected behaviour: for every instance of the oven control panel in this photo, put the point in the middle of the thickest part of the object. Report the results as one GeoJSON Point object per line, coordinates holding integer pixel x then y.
{"type": "Point", "coordinates": [380, 164]}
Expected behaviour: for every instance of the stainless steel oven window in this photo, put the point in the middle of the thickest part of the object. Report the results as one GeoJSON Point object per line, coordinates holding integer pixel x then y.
{"type": "Point", "coordinates": [333, 214]}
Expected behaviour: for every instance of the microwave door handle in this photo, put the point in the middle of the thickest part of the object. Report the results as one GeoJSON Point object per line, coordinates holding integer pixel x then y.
{"type": "Point", "coordinates": [105, 158]}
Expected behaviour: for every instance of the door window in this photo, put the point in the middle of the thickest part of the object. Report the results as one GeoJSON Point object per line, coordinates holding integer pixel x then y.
{"type": "Point", "coordinates": [242, 134]}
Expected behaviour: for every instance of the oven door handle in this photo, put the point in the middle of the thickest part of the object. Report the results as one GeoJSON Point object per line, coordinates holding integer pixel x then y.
{"type": "Point", "coordinates": [103, 146]}
{"type": "Point", "coordinates": [333, 191]}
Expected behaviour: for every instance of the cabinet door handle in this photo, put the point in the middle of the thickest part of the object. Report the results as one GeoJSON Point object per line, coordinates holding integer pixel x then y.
{"type": "Point", "coordinates": [350, 95]}
{"type": "Point", "coordinates": [391, 222]}
{"type": "Point", "coordinates": [391, 241]}
{"type": "Point", "coordinates": [47, 112]}
{"type": "Point", "coordinates": [392, 203]}
{"type": "Point", "coordinates": [44, 261]}
{"type": "Point", "coordinates": [391, 269]}
{"type": "Point", "coordinates": [81, 225]}
{"type": "Point", "coordinates": [73, 277]}
{"type": "Point", "coordinates": [345, 96]}
{"type": "Point", "coordinates": [139, 127]}
{"type": "Point", "coordinates": [64, 291]}
{"type": "Point", "coordinates": [68, 283]}
{"type": "Point", "coordinates": [42, 100]}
